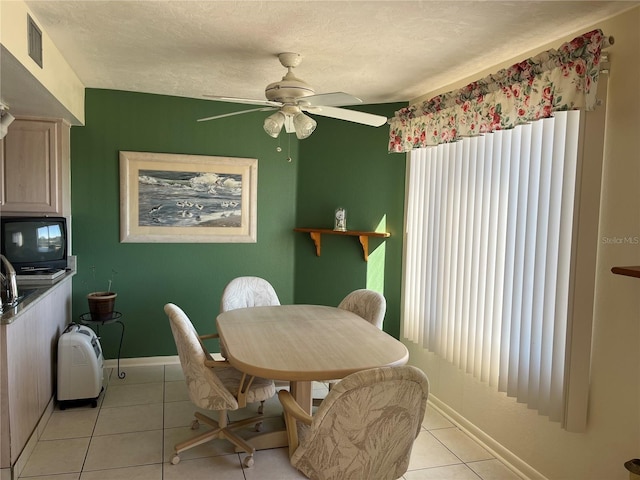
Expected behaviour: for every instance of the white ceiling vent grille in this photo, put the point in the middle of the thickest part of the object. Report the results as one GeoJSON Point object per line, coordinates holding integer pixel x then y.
{"type": "Point", "coordinates": [34, 35]}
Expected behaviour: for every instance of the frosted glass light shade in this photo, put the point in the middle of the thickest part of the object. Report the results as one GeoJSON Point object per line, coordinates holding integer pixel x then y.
{"type": "Point", "coordinates": [304, 125]}
{"type": "Point", "coordinates": [273, 124]}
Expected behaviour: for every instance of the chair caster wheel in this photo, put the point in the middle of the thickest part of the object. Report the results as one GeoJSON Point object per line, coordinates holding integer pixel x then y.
{"type": "Point", "coordinates": [175, 459]}
{"type": "Point", "coordinates": [259, 427]}
{"type": "Point", "coordinates": [248, 461]}
{"type": "Point", "coordinates": [195, 425]}
{"type": "Point", "coordinates": [261, 408]}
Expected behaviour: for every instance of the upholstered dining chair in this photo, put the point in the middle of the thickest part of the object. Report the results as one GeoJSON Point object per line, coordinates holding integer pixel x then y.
{"type": "Point", "coordinates": [243, 292]}
{"type": "Point", "coordinates": [367, 304]}
{"type": "Point", "coordinates": [365, 428]}
{"type": "Point", "coordinates": [214, 385]}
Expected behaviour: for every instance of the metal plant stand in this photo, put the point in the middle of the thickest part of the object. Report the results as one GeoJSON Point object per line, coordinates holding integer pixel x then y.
{"type": "Point", "coordinates": [115, 318]}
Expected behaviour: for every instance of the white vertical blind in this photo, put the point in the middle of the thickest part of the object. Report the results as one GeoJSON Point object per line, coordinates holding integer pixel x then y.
{"type": "Point", "coordinates": [487, 267]}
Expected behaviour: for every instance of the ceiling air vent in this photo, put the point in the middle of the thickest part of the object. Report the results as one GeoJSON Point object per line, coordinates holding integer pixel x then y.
{"type": "Point", "coordinates": [34, 35]}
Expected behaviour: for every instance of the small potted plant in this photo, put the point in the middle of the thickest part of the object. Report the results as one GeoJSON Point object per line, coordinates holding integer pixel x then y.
{"type": "Point", "coordinates": [102, 303]}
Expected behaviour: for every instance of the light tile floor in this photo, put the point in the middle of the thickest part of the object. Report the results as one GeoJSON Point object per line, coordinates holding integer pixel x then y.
{"type": "Point", "coordinates": [130, 436]}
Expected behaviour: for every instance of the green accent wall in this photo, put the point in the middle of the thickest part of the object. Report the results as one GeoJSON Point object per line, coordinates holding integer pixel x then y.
{"type": "Point", "coordinates": [347, 165]}
{"type": "Point", "coordinates": [192, 275]}
{"type": "Point", "coordinates": [341, 164]}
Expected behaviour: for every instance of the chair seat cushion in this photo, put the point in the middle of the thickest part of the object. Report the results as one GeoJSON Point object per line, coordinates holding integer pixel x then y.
{"type": "Point", "coordinates": [260, 389]}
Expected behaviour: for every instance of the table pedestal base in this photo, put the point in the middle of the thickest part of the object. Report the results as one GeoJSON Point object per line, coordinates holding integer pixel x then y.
{"type": "Point", "coordinates": [302, 392]}
{"type": "Point", "coordinates": [264, 441]}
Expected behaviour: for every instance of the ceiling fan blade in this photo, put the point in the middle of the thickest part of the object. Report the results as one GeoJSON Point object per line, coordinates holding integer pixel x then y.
{"type": "Point", "coordinates": [335, 99]}
{"type": "Point", "coordinates": [348, 115]}
{"type": "Point", "coordinates": [215, 117]}
{"type": "Point", "coordinates": [250, 101]}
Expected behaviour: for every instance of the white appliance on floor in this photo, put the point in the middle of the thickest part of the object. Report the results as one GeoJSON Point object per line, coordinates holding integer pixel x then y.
{"type": "Point", "coordinates": [80, 365]}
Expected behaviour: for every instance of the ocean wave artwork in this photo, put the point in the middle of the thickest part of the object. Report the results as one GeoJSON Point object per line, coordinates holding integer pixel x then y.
{"type": "Point", "coordinates": [189, 199]}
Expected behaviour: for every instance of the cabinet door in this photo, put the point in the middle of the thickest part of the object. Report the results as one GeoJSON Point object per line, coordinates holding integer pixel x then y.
{"type": "Point", "coordinates": [31, 167]}
{"type": "Point", "coordinates": [22, 380]}
{"type": "Point", "coordinates": [5, 435]}
{"type": "Point", "coordinates": [55, 315]}
{"type": "Point", "coordinates": [31, 344]}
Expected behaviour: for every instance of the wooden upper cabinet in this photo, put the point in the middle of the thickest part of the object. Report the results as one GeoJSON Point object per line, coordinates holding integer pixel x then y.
{"type": "Point", "coordinates": [34, 162]}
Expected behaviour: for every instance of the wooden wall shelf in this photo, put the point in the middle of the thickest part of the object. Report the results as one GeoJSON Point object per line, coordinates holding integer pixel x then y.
{"type": "Point", "coordinates": [628, 271]}
{"type": "Point", "coordinates": [316, 236]}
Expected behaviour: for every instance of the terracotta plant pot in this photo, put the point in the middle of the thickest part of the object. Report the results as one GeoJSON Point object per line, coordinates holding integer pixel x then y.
{"type": "Point", "coordinates": [101, 305]}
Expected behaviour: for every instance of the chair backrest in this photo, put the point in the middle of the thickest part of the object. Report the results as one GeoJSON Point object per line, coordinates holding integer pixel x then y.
{"type": "Point", "coordinates": [242, 292]}
{"type": "Point", "coordinates": [368, 304]}
{"type": "Point", "coordinates": [206, 390]}
{"type": "Point", "coordinates": [366, 426]}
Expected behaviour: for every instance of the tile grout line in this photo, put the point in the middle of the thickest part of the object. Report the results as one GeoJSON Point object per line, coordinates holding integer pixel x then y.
{"type": "Point", "coordinates": [462, 462]}
{"type": "Point", "coordinates": [93, 430]}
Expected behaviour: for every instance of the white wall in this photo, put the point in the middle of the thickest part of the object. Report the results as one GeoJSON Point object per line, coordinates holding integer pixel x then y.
{"type": "Point", "coordinates": [55, 76]}
{"type": "Point", "coordinates": [613, 430]}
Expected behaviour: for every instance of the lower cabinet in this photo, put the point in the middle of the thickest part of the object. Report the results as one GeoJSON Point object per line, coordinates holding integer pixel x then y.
{"type": "Point", "coordinates": [28, 352]}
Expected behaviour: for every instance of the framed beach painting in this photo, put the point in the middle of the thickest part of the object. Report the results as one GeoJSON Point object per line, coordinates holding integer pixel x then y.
{"type": "Point", "coordinates": [173, 198]}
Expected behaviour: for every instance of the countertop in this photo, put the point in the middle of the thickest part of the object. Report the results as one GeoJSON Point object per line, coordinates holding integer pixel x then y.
{"type": "Point", "coordinates": [34, 293]}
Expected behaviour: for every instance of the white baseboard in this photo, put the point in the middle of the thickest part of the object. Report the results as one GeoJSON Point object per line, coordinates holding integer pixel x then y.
{"type": "Point", "coordinates": [142, 361]}
{"type": "Point", "coordinates": [517, 465]}
{"type": "Point", "coordinates": [150, 361]}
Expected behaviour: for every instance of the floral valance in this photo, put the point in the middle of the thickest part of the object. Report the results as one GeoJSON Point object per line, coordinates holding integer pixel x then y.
{"type": "Point", "coordinates": [563, 79]}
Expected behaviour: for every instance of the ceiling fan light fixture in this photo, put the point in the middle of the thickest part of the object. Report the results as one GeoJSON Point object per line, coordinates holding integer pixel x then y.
{"type": "Point", "coordinates": [273, 124]}
{"type": "Point", "coordinates": [291, 96]}
{"type": "Point", "coordinates": [304, 125]}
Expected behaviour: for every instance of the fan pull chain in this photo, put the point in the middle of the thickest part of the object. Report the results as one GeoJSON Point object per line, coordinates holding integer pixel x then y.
{"type": "Point", "coordinates": [279, 148]}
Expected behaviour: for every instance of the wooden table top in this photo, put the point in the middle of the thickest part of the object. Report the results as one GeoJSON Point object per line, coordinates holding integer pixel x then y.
{"type": "Point", "coordinates": [305, 342]}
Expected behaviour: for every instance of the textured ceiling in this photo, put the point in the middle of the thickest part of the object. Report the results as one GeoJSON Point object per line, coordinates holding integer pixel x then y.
{"type": "Point", "coordinates": [380, 51]}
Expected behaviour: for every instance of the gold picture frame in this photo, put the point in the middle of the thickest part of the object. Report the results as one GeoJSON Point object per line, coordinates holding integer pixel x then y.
{"type": "Point", "coordinates": [174, 198]}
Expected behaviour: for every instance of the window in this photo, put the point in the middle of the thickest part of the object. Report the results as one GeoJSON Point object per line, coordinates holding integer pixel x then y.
{"type": "Point", "coordinates": [488, 266]}
{"type": "Point", "coordinates": [502, 229]}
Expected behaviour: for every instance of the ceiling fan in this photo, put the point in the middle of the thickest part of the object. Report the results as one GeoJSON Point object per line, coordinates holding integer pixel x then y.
{"type": "Point", "coordinates": [291, 97]}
